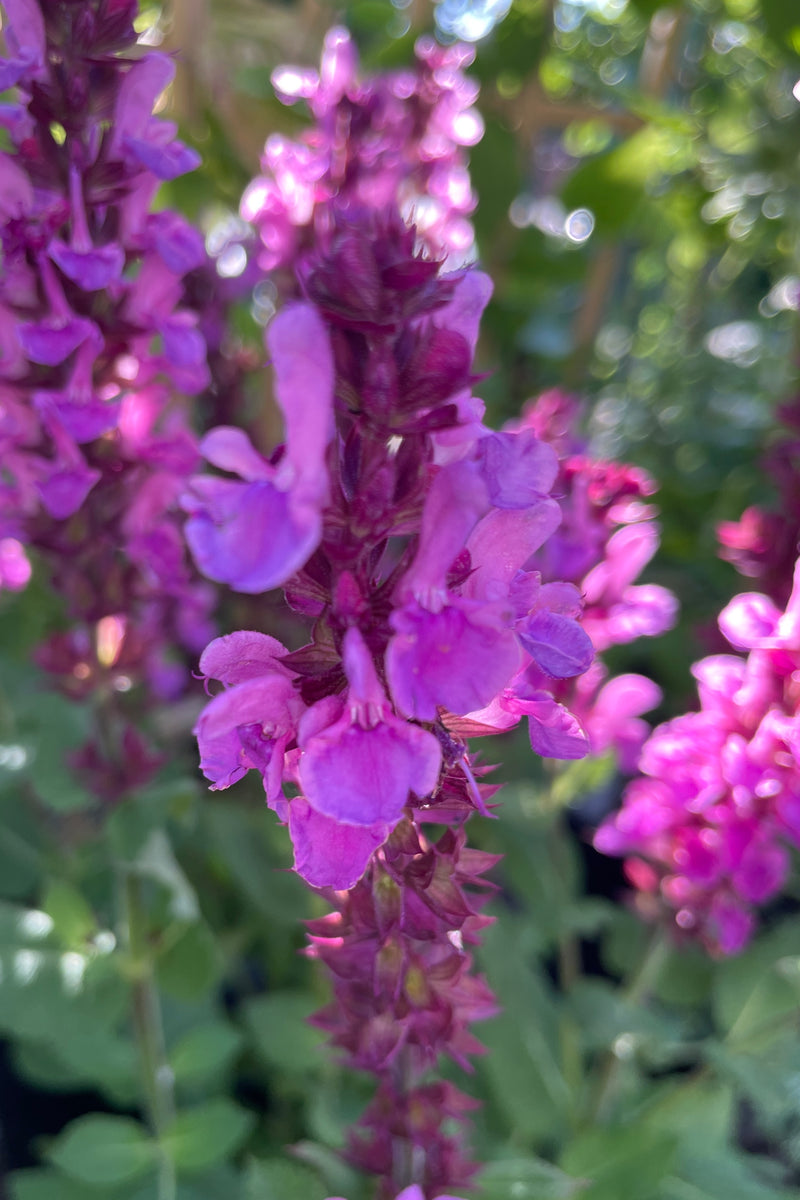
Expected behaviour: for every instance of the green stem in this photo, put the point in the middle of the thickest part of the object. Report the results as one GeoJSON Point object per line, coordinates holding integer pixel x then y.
{"type": "Point", "coordinates": [157, 1079]}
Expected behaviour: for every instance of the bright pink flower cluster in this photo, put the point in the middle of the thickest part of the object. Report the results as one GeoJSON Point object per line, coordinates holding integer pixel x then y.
{"type": "Point", "coordinates": [391, 139]}
{"type": "Point", "coordinates": [606, 537]}
{"type": "Point", "coordinates": [708, 822]}
{"type": "Point", "coordinates": [91, 291]}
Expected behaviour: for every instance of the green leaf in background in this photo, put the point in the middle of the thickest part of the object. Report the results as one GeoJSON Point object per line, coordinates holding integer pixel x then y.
{"type": "Point", "coordinates": [40, 1183]}
{"type": "Point", "coordinates": [72, 917]}
{"type": "Point", "coordinates": [751, 991]}
{"type": "Point", "coordinates": [191, 964]}
{"type": "Point", "coordinates": [204, 1053]}
{"type": "Point", "coordinates": [103, 1150]}
{"type": "Point", "coordinates": [527, 1179]}
{"type": "Point", "coordinates": [278, 1179]}
{"type": "Point", "coordinates": [496, 175]}
{"type": "Point", "coordinates": [21, 845]}
{"type": "Point", "coordinates": [620, 1163]}
{"type": "Point", "coordinates": [205, 1136]}
{"type": "Point", "coordinates": [278, 1024]}
{"type": "Point", "coordinates": [50, 728]}
{"type": "Point", "coordinates": [725, 1175]}
{"type": "Point", "coordinates": [612, 185]}
{"type": "Point", "coordinates": [522, 1067]}
{"type": "Point", "coordinates": [47, 993]}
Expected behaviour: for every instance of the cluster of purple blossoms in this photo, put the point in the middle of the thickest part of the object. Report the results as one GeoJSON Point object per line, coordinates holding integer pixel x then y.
{"type": "Point", "coordinates": [96, 339]}
{"type": "Point", "coordinates": [91, 290]}
{"type": "Point", "coordinates": [406, 531]}
{"type": "Point", "coordinates": [606, 537]}
{"type": "Point", "coordinates": [393, 139]}
{"type": "Point", "coordinates": [406, 535]}
{"type": "Point", "coordinates": [708, 822]}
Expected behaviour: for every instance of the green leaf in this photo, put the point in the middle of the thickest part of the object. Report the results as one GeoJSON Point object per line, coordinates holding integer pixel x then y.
{"type": "Point", "coordinates": [279, 1026]}
{"type": "Point", "coordinates": [527, 1179]}
{"type": "Point", "coordinates": [625, 1163]}
{"type": "Point", "coordinates": [51, 728]}
{"type": "Point", "coordinates": [205, 1136]}
{"type": "Point", "coordinates": [39, 1183]}
{"type": "Point", "coordinates": [190, 966]}
{"type": "Point", "coordinates": [72, 917]}
{"type": "Point", "coordinates": [750, 990]}
{"type": "Point", "coordinates": [277, 1179]}
{"type": "Point", "coordinates": [204, 1052]}
{"type": "Point", "coordinates": [496, 175]}
{"type": "Point", "coordinates": [521, 1067]}
{"type": "Point", "coordinates": [47, 994]}
{"type": "Point", "coordinates": [723, 1175]}
{"type": "Point", "coordinates": [103, 1150]}
{"type": "Point", "coordinates": [613, 185]}
{"type": "Point", "coordinates": [782, 22]}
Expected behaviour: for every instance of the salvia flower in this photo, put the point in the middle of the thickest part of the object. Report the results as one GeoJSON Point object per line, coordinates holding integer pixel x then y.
{"type": "Point", "coordinates": [91, 290]}
{"type": "Point", "coordinates": [707, 826]}
{"type": "Point", "coordinates": [393, 139]}
{"type": "Point", "coordinates": [407, 532]}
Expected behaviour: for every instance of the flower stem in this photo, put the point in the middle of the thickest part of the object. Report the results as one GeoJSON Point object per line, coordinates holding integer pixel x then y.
{"type": "Point", "coordinates": [157, 1078]}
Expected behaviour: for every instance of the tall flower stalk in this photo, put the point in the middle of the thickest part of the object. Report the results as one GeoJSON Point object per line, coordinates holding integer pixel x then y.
{"type": "Point", "coordinates": [95, 440]}
{"type": "Point", "coordinates": [404, 530]}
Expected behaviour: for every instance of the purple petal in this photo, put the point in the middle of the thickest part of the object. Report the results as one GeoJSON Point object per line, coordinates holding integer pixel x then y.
{"type": "Point", "coordinates": [364, 776]}
{"type": "Point", "coordinates": [299, 347]}
{"type": "Point", "coordinates": [90, 269]}
{"type": "Point", "coordinates": [455, 501]}
{"type": "Point", "coordinates": [15, 569]}
{"type": "Point", "coordinates": [447, 659]}
{"type": "Point", "coordinates": [501, 544]}
{"type": "Point", "coordinates": [749, 620]}
{"type": "Point", "coordinates": [556, 644]}
{"type": "Point", "coordinates": [230, 449]}
{"type": "Point", "coordinates": [166, 162]}
{"type": "Point", "coordinates": [518, 469]}
{"type": "Point", "coordinates": [238, 730]}
{"type": "Point", "coordinates": [249, 535]}
{"type": "Point", "coordinates": [554, 731]}
{"type": "Point", "coordinates": [184, 344]}
{"type": "Point", "coordinates": [50, 342]}
{"type": "Point", "coordinates": [464, 311]}
{"type": "Point", "coordinates": [141, 86]}
{"type": "Point", "coordinates": [241, 655]}
{"type": "Point", "coordinates": [327, 853]}
{"type": "Point", "coordinates": [89, 420]}
{"type": "Point", "coordinates": [24, 29]}
{"type": "Point", "coordinates": [644, 611]}
{"type": "Point", "coordinates": [179, 243]}
{"type": "Point", "coordinates": [16, 189]}
{"type": "Point", "coordinates": [65, 489]}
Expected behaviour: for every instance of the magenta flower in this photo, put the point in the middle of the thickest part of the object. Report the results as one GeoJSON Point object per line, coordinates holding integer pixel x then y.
{"type": "Point", "coordinates": [358, 760]}
{"type": "Point", "coordinates": [256, 534]}
{"type": "Point", "coordinates": [706, 825]}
